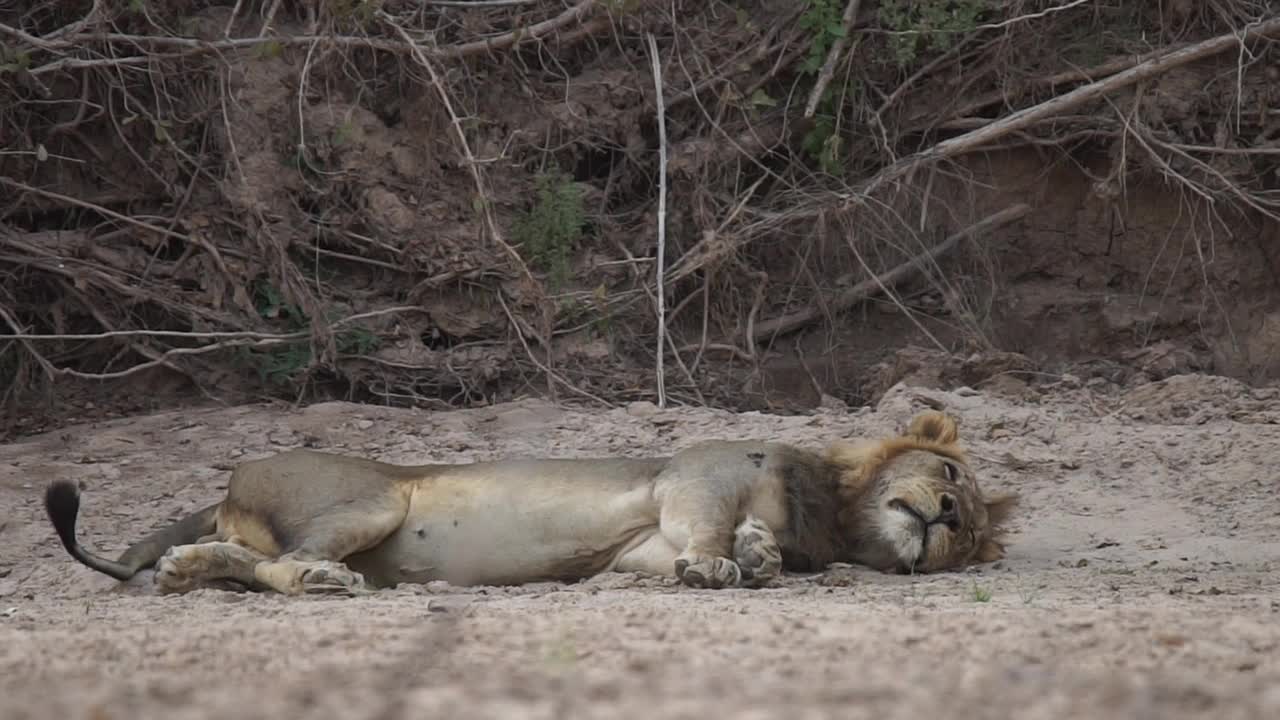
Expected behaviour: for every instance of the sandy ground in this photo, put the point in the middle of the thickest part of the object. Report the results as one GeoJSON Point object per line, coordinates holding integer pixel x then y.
{"type": "Point", "coordinates": [1142, 581]}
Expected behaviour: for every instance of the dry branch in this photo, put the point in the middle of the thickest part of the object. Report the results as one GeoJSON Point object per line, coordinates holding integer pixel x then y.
{"type": "Point", "coordinates": [1091, 74]}
{"type": "Point", "coordinates": [1022, 119]}
{"type": "Point", "coordinates": [868, 288]}
{"type": "Point", "coordinates": [193, 46]}
{"type": "Point", "coordinates": [833, 57]}
{"type": "Point", "coordinates": [662, 216]}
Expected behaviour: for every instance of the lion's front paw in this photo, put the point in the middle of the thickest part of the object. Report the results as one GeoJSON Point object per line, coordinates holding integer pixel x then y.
{"type": "Point", "coordinates": [330, 577]}
{"type": "Point", "coordinates": [708, 572]}
{"type": "Point", "coordinates": [756, 551]}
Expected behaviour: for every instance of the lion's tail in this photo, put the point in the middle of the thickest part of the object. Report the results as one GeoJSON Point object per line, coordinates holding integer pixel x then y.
{"type": "Point", "coordinates": [62, 503]}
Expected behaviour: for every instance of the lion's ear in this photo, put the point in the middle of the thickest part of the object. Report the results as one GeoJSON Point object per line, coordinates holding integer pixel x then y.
{"type": "Point", "coordinates": [989, 551]}
{"type": "Point", "coordinates": [933, 426]}
{"type": "Point", "coordinates": [1000, 508]}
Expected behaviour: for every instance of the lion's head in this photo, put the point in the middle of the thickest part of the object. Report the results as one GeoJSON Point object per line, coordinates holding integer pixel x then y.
{"type": "Point", "coordinates": [912, 503]}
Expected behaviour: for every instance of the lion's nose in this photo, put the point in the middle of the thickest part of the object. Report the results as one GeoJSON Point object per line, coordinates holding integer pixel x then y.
{"type": "Point", "coordinates": [950, 510]}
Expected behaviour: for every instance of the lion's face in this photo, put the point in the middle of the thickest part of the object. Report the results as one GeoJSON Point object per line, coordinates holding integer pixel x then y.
{"type": "Point", "coordinates": [913, 503]}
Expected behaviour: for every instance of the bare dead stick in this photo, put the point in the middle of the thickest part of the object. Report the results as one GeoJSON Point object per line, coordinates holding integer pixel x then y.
{"type": "Point", "coordinates": [662, 217]}
{"type": "Point", "coordinates": [833, 57]}
{"type": "Point", "coordinates": [521, 35]}
{"type": "Point", "coordinates": [869, 288]}
{"type": "Point", "coordinates": [1024, 118]}
{"type": "Point", "coordinates": [1092, 74]}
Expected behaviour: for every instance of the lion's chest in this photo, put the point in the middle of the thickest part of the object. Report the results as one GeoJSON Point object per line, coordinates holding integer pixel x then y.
{"type": "Point", "coordinates": [489, 532]}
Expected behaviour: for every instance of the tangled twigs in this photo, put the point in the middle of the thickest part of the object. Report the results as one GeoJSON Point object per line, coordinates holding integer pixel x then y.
{"type": "Point", "coordinates": [1023, 119]}
{"type": "Point", "coordinates": [48, 367]}
{"type": "Point", "coordinates": [472, 165]}
{"type": "Point", "coordinates": [879, 283]}
{"type": "Point", "coordinates": [552, 374]}
{"type": "Point", "coordinates": [194, 240]}
{"type": "Point", "coordinates": [483, 196]}
{"type": "Point", "coordinates": [229, 340]}
{"type": "Point", "coordinates": [190, 46]}
{"type": "Point", "coordinates": [32, 40]}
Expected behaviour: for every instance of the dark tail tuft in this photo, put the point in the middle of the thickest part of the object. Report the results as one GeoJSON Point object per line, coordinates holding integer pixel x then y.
{"type": "Point", "coordinates": [62, 503]}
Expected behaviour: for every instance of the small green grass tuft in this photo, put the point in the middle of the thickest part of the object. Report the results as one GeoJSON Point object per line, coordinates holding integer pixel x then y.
{"type": "Point", "coordinates": [979, 593]}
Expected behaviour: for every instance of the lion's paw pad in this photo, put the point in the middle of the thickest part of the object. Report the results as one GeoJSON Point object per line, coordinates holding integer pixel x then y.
{"type": "Point", "coordinates": [331, 577]}
{"type": "Point", "coordinates": [707, 572]}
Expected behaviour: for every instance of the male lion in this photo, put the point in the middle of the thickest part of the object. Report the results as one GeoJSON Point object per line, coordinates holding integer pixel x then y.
{"type": "Point", "coordinates": [719, 514]}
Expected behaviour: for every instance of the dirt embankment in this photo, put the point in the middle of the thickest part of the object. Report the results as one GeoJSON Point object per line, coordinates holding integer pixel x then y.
{"type": "Point", "coordinates": [474, 219]}
{"type": "Point", "coordinates": [1141, 580]}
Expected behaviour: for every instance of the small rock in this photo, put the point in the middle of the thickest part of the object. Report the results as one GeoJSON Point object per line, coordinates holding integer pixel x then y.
{"type": "Point", "coordinates": [642, 409]}
{"type": "Point", "coordinates": [364, 424]}
{"type": "Point", "coordinates": [829, 402]}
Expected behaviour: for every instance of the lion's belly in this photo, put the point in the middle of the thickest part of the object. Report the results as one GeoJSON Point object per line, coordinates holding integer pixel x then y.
{"type": "Point", "coordinates": [501, 530]}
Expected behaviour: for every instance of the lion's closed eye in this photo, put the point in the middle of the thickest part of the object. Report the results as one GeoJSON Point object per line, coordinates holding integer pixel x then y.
{"type": "Point", "coordinates": [951, 471]}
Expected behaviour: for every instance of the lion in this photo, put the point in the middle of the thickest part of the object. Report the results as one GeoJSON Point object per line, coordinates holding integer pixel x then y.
{"type": "Point", "coordinates": [720, 514]}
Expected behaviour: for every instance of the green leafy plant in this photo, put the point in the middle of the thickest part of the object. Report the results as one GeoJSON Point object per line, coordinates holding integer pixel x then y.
{"type": "Point", "coordinates": [281, 364]}
{"type": "Point", "coordinates": [361, 12]}
{"type": "Point", "coordinates": [822, 142]}
{"type": "Point", "coordinates": [928, 24]}
{"type": "Point", "coordinates": [358, 341]}
{"type": "Point", "coordinates": [823, 19]}
{"type": "Point", "coordinates": [343, 133]}
{"type": "Point", "coordinates": [13, 60]}
{"type": "Point", "coordinates": [268, 50]}
{"type": "Point", "coordinates": [548, 231]}
{"type": "Point", "coordinates": [270, 303]}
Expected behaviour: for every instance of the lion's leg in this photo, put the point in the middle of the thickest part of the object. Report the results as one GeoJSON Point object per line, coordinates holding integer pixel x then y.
{"type": "Point", "coordinates": [297, 577]}
{"type": "Point", "coordinates": [314, 564]}
{"type": "Point", "coordinates": [188, 567]}
{"type": "Point", "coordinates": [757, 552]}
{"type": "Point", "coordinates": [694, 518]}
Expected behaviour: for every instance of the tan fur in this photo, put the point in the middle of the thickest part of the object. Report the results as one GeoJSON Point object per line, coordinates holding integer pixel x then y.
{"type": "Point", "coordinates": [719, 514]}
